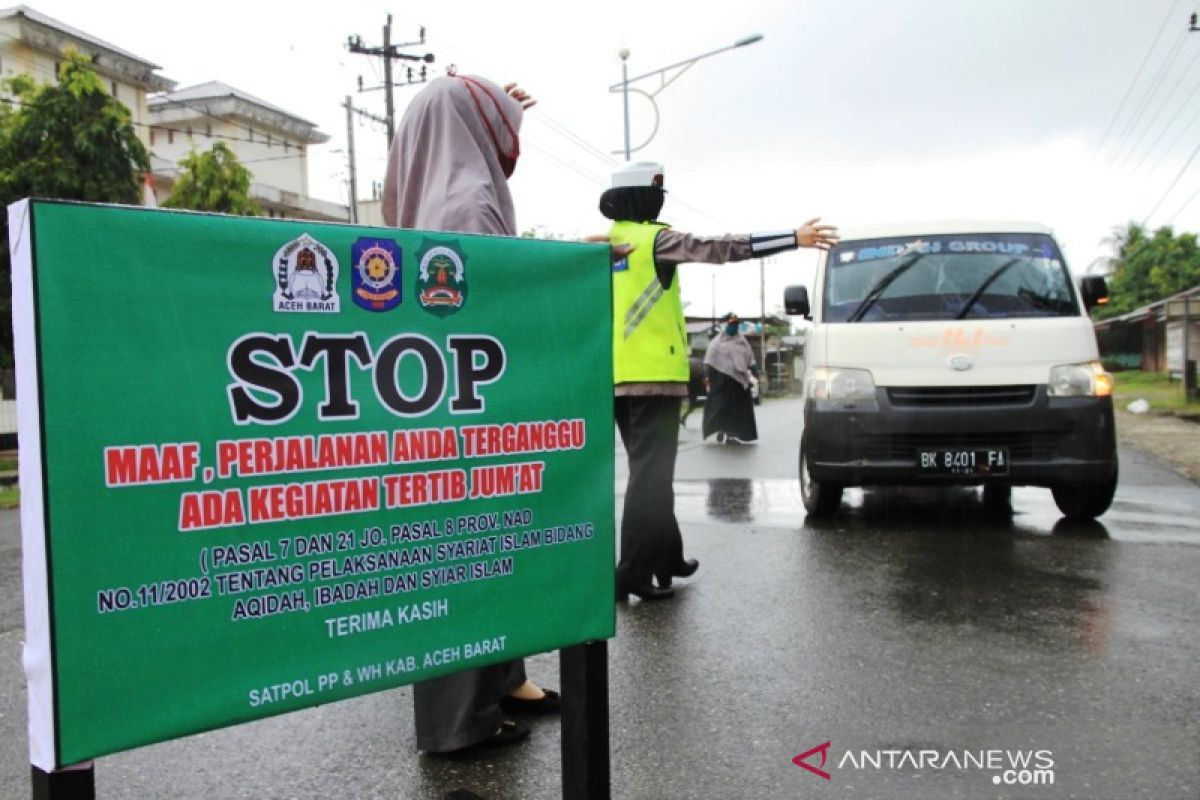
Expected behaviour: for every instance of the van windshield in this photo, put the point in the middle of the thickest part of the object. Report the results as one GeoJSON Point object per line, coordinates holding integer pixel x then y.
{"type": "Point", "coordinates": [947, 276]}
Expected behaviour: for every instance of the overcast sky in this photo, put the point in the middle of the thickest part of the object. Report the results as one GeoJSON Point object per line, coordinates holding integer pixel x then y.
{"type": "Point", "coordinates": [1081, 114]}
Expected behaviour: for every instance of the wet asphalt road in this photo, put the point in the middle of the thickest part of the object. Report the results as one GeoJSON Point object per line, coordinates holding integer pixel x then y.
{"type": "Point", "coordinates": [908, 623]}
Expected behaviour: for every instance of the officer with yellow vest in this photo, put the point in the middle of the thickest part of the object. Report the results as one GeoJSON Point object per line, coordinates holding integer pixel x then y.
{"type": "Point", "coordinates": [650, 363]}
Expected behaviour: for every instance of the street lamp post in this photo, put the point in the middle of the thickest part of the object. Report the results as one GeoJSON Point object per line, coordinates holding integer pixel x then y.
{"type": "Point", "coordinates": [664, 82]}
{"type": "Point", "coordinates": [624, 54]}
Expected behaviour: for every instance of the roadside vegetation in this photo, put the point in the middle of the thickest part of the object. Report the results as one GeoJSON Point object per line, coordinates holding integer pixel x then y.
{"type": "Point", "coordinates": [1148, 266]}
{"type": "Point", "coordinates": [9, 495]}
{"type": "Point", "coordinates": [1164, 394]}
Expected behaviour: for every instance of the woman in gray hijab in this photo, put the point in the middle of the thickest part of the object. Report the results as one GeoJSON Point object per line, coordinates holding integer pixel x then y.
{"type": "Point", "coordinates": [448, 170]}
{"type": "Point", "coordinates": [729, 368]}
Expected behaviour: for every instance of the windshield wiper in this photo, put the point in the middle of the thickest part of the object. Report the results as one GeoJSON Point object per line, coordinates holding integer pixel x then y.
{"type": "Point", "coordinates": [974, 298]}
{"type": "Point", "coordinates": [880, 286]}
{"type": "Point", "coordinates": [1042, 302]}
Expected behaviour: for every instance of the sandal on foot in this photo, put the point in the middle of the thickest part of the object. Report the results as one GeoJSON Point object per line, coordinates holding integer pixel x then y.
{"type": "Point", "coordinates": [509, 732]}
{"type": "Point", "coordinates": [548, 703]}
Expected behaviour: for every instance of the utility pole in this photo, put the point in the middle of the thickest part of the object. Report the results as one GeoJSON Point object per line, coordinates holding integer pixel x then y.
{"type": "Point", "coordinates": [388, 100]}
{"type": "Point", "coordinates": [714, 299]}
{"type": "Point", "coordinates": [353, 204]}
{"type": "Point", "coordinates": [764, 383]}
{"type": "Point", "coordinates": [350, 112]}
{"type": "Point", "coordinates": [391, 52]}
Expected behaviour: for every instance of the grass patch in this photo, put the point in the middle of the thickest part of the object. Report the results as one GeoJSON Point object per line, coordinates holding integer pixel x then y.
{"type": "Point", "coordinates": [8, 464]}
{"type": "Point", "coordinates": [10, 497]}
{"type": "Point", "coordinates": [1163, 393]}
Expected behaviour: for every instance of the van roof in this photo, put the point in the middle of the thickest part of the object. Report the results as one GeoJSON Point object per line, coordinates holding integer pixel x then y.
{"type": "Point", "coordinates": [887, 230]}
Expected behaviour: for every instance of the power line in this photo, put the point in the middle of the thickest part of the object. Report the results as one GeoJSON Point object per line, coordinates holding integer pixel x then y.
{"type": "Point", "coordinates": [1187, 203]}
{"type": "Point", "coordinates": [1166, 104]}
{"type": "Point", "coordinates": [564, 162]}
{"type": "Point", "coordinates": [1154, 84]}
{"type": "Point", "coordinates": [1136, 76]}
{"type": "Point", "coordinates": [562, 130]}
{"type": "Point", "coordinates": [1170, 188]}
{"type": "Point", "coordinates": [1178, 110]}
{"type": "Point", "coordinates": [1175, 141]}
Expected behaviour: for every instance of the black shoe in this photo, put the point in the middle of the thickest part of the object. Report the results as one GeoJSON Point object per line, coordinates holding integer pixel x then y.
{"type": "Point", "coordinates": [644, 593]}
{"type": "Point", "coordinates": [684, 569]}
{"type": "Point", "coordinates": [549, 703]}
{"type": "Point", "coordinates": [509, 732]}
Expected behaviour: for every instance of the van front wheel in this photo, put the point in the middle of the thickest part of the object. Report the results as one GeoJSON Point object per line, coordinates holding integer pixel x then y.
{"type": "Point", "coordinates": [1085, 501]}
{"type": "Point", "coordinates": [821, 499]}
{"type": "Point", "coordinates": [997, 498]}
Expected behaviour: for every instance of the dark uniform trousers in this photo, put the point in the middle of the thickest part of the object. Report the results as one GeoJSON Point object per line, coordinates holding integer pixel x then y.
{"type": "Point", "coordinates": [650, 539]}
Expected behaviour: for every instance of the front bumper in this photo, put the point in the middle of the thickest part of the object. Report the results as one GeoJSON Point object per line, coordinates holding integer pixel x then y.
{"type": "Point", "coordinates": [1050, 441]}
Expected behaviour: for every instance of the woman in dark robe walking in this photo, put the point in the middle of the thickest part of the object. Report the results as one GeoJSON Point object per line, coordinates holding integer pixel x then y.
{"type": "Point", "coordinates": [729, 368]}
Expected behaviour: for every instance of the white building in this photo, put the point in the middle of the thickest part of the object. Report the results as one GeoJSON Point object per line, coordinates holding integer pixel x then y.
{"type": "Point", "coordinates": [370, 212]}
{"type": "Point", "coordinates": [268, 141]}
{"type": "Point", "coordinates": [33, 44]}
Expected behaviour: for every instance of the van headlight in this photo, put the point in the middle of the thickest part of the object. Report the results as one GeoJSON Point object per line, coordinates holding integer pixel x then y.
{"type": "Point", "coordinates": [1080, 380]}
{"type": "Point", "coordinates": [843, 389]}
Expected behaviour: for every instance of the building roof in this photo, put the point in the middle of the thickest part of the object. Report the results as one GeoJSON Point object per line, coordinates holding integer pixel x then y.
{"type": "Point", "coordinates": [42, 32]}
{"type": "Point", "coordinates": [1151, 310]}
{"type": "Point", "coordinates": [216, 90]}
{"type": "Point", "coordinates": [218, 99]}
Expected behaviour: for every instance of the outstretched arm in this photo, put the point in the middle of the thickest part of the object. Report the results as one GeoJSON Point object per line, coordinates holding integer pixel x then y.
{"type": "Point", "coordinates": [673, 247]}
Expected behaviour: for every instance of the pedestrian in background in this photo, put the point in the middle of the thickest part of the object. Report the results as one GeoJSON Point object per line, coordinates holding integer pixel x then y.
{"type": "Point", "coordinates": [650, 363]}
{"type": "Point", "coordinates": [729, 369]}
{"type": "Point", "coordinates": [454, 150]}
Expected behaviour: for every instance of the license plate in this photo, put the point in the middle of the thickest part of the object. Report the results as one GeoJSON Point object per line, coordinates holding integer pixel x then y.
{"type": "Point", "coordinates": [978, 461]}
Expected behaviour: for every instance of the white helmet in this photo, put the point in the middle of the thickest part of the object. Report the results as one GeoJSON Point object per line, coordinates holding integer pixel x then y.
{"type": "Point", "coordinates": [638, 173]}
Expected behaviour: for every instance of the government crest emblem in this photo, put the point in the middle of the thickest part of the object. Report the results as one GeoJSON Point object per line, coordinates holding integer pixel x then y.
{"type": "Point", "coordinates": [306, 274]}
{"type": "Point", "coordinates": [375, 282]}
{"type": "Point", "coordinates": [441, 287]}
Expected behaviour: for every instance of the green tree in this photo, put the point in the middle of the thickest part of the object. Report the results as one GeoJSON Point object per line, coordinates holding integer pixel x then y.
{"type": "Point", "coordinates": [541, 232]}
{"type": "Point", "coordinates": [1148, 267]}
{"type": "Point", "coordinates": [69, 141]}
{"type": "Point", "coordinates": [214, 181]}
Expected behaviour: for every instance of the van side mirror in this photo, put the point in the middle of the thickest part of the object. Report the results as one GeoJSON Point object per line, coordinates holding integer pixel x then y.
{"type": "Point", "coordinates": [795, 302]}
{"type": "Point", "coordinates": [1095, 291]}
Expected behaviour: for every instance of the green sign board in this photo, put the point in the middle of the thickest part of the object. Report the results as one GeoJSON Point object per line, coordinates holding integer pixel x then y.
{"type": "Point", "coordinates": [270, 464]}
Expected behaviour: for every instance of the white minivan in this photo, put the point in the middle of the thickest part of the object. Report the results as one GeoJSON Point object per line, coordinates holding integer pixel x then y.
{"type": "Point", "coordinates": [954, 353]}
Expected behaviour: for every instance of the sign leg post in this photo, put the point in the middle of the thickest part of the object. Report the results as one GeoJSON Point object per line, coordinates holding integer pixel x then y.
{"type": "Point", "coordinates": [585, 750]}
{"type": "Point", "coordinates": [71, 783]}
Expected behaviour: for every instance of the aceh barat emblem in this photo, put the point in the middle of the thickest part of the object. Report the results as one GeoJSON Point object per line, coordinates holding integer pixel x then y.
{"type": "Point", "coordinates": [375, 281]}
{"type": "Point", "coordinates": [441, 277]}
{"type": "Point", "coordinates": [306, 274]}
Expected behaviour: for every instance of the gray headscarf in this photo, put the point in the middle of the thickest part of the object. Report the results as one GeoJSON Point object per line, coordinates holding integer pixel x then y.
{"type": "Point", "coordinates": [732, 355]}
{"type": "Point", "coordinates": [445, 168]}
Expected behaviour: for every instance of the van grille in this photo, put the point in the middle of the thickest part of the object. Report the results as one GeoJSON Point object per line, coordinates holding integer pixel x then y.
{"type": "Point", "coordinates": [904, 446]}
{"type": "Point", "coordinates": [971, 396]}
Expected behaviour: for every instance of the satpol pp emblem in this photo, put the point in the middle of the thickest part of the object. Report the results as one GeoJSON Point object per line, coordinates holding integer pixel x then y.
{"type": "Point", "coordinates": [376, 278]}
{"type": "Point", "coordinates": [306, 274]}
{"type": "Point", "coordinates": [441, 277]}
